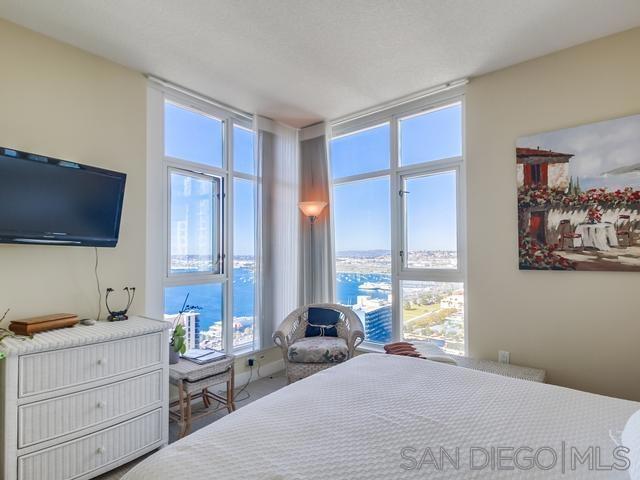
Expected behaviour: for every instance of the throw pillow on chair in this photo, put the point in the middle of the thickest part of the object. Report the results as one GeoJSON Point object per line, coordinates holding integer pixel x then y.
{"type": "Point", "coordinates": [322, 322]}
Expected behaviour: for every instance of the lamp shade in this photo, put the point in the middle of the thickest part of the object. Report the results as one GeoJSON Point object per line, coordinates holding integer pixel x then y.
{"type": "Point", "coordinates": [312, 209]}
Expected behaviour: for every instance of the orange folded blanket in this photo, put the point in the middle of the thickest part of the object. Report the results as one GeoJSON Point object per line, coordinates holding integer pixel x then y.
{"type": "Point", "coordinates": [402, 348]}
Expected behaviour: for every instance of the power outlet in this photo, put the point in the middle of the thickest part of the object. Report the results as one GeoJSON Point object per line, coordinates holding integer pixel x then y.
{"type": "Point", "coordinates": [503, 356]}
{"type": "Point", "coordinates": [251, 362]}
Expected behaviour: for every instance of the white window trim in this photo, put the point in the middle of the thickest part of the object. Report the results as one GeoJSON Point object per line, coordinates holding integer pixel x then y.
{"type": "Point", "coordinates": [396, 174]}
{"type": "Point", "coordinates": [158, 235]}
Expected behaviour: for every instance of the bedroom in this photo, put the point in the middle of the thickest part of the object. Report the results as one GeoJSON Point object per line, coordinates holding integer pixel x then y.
{"type": "Point", "coordinates": [404, 119]}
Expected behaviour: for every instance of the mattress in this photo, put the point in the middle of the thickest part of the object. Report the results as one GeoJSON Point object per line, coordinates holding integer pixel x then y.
{"type": "Point", "coordinates": [390, 417]}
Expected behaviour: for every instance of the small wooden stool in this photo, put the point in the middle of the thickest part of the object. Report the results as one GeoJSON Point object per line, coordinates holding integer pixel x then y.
{"type": "Point", "coordinates": [193, 381]}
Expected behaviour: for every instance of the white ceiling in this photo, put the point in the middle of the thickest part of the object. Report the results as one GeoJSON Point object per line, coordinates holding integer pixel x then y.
{"type": "Point", "coordinates": [301, 61]}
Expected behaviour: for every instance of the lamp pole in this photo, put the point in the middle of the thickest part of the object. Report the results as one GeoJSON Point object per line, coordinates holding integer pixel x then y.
{"type": "Point", "coordinates": [312, 221]}
{"type": "Point", "coordinates": [312, 210]}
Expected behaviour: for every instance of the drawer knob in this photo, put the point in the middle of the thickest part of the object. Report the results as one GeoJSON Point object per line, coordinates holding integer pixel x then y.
{"type": "Point", "coordinates": [101, 404]}
{"type": "Point", "coordinates": [102, 361]}
{"type": "Point", "coordinates": [100, 450]}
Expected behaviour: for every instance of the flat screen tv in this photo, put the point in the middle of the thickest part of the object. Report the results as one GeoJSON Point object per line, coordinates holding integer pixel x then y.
{"type": "Point", "coordinates": [45, 200]}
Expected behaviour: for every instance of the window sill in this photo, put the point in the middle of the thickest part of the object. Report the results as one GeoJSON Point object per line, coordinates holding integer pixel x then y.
{"type": "Point", "coordinates": [378, 348]}
{"type": "Point", "coordinates": [248, 351]}
{"type": "Point", "coordinates": [244, 352]}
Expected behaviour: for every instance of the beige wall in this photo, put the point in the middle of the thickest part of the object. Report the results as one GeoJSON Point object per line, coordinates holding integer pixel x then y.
{"type": "Point", "coordinates": [582, 327]}
{"type": "Point", "coordinates": [60, 101]}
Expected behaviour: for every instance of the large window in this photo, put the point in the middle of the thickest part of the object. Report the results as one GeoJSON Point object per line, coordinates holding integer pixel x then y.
{"type": "Point", "coordinates": [399, 240]}
{"type": "Point", "coordinates": [211, 188]}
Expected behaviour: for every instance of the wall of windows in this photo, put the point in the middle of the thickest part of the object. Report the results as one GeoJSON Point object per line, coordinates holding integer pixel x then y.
{"type": "Point", "coordinates": [399, 239]}
{"type": "Point", "coordinates": [210, 206]}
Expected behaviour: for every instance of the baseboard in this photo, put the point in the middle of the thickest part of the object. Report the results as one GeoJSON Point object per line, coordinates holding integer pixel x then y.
{"type": "Point", "coordinates": [265, 370]}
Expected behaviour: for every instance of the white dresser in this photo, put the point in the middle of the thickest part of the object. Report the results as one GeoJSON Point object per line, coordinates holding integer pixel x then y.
{"type": "Point", "coordinates": [77, 402]}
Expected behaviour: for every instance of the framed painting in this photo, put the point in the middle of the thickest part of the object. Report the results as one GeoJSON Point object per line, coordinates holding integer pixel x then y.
{"type": "Point", "coordinates": [579, 197]}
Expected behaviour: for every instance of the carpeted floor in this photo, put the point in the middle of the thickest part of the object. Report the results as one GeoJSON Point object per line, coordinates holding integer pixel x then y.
{"type": "Point", "coordinates": [254, 391]}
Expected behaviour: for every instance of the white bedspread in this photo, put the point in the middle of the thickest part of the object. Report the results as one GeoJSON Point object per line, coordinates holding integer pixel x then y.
{"type": "Point", "coordinates": [354, 420]}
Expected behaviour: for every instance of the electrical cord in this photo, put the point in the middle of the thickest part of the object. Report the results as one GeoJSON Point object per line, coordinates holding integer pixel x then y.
{"type": "Point", "coordinates": [95, 272]}
{"type": "Point", "coordinates": [236, 395]}
{"type": "Point", "coordinates": [244, 389]}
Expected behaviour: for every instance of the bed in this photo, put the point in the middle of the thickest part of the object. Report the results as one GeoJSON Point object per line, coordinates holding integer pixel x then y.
{"type": "Point", "coordinates": [389, 417]}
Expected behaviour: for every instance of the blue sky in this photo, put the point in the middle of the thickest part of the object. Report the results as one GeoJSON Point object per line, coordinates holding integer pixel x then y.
{"type": "Point", "coordinates": [244, 217]}
{"type": "Point", "coordinates": [431, 212]}
{"type": "Point", "coordinates": [362, 215]}
{"type": "Point", "coordinates": [192, 136]}
{"type": "Point", "coordinates": [361, 209]}
{"type": "Point", "coordinates": [244, 199]}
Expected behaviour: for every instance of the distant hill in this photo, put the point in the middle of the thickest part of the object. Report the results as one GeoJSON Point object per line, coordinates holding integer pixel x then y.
{"type": "Point", "coordinates": [363, 253]}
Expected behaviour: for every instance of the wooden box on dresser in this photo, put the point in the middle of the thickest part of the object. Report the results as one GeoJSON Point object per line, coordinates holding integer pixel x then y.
{"type": "Point", "coordinates": [78, 402]}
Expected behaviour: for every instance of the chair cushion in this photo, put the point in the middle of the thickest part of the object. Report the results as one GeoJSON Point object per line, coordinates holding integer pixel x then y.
{"type": "Point", "coordinates": [322, 322]}
{"type": "Point", "coordinates": [318, 350]}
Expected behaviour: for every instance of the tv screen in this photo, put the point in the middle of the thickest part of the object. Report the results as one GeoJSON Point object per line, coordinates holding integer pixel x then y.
{"type": "Point", "coordinates": [45, 200]}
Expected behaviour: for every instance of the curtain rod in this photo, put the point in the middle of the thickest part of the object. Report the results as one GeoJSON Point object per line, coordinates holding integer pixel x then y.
{"type": "Point", "coordinates": [198, 96]}
{"type": "Point", "coordinates": [400, 101]}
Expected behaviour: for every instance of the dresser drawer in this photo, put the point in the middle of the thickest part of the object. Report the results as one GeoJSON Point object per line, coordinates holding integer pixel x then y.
{"type": "Point", "coordinates": [79, 457]}
{"type": "Point", "coordinates": [59, 416]}
{"type": "Point", "coordinates": [47, 371]}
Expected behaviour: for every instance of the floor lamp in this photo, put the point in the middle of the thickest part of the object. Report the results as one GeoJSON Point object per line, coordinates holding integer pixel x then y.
{"type": "Point", "coordinates": [312, 210]}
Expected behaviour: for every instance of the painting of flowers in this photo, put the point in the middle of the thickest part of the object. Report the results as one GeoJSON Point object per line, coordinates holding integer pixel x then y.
{"type": "Point", "coordinates": [579, 197]}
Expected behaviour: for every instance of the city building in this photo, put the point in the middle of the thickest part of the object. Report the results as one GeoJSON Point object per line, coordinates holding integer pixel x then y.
{"type": "Point", "coordinates": [192, 326]}
{"type": "Point", "coordinates": [376, 317]}
{"type": "Point", "coordinates": [191, 323]}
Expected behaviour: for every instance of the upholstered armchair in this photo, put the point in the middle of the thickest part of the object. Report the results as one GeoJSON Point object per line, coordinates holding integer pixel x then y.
{"type": "Point", "coordinates": [304, 356]}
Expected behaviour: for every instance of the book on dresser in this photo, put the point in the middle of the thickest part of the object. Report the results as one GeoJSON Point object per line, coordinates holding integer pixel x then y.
{"type": "Point", "coordinates": [110, 384]}
{"type": "Point", "coordinates": [29, 326]}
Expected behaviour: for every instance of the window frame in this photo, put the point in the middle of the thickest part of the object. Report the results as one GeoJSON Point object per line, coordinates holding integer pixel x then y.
{"type": "Point", "coordinates": [397, 175]}
{"type": "Point", "coordinates": [225, 175]}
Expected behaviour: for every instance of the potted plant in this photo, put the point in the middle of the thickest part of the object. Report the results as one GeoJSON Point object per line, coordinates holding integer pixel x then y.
{"type": "Point", "coordinates": [178, 344]}
{"type": "Point", "coordinates": [4, 333]}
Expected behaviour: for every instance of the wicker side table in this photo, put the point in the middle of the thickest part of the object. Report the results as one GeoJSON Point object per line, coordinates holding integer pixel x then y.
{"type": "Point", "coordinates": [193, 381]}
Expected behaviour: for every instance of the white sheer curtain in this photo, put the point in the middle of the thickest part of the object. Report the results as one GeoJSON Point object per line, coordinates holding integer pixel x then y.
{"type": "Point", "coordinates": [278, 154]}
{"type": "Point", "coordinates": [317, 268]}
